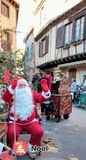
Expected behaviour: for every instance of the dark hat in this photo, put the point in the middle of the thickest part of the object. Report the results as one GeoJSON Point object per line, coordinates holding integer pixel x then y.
{"type": "Point", "coordinates": [48, 72]}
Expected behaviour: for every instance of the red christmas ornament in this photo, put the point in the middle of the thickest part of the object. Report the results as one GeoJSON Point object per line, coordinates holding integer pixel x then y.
{"type": "Point", "coordinates": [20, 148]}
{"type": "Point", "coordinates": [6, 76]}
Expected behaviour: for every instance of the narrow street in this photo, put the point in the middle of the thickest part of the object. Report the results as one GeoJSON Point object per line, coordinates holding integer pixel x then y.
{"type": "Point", "coordinates": [68, 137]}
{"type": "Point", "coordinates": [43, 49]}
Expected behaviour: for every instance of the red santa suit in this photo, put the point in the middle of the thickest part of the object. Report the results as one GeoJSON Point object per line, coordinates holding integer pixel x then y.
{"type": "Point", "coordinates": [22, 105]}
{"type": "Point", "coordinates": [49, 78]}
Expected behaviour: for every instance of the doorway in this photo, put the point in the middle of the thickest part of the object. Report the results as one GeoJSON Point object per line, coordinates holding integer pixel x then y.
{"type": "Point", "coordinates": [72, 73]}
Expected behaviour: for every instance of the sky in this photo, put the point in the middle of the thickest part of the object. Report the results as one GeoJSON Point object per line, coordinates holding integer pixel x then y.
{"type": "Point", "coordinates": [24, 22]}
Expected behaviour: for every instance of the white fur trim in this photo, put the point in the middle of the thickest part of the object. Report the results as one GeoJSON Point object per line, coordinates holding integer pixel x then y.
{"type": "Point", "coordinates": [46, 95]}
{"type": "Point", "coordinates": [22, 81]}
{"type": "Point", "coordinates": [47, 102]}
{"type": "Point", "coordinates": [10, 89]}
{"type": "Point", "coordinates": [12, 118]}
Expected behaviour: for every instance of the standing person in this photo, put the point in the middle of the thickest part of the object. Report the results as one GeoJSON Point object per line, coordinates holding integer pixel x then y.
{"type": "Point", "coordinates": [73, 89]}
{"type": "Point", "coordinates": [47, 76]}
{"type": "Point", "coordinates": [35, 80]}
{"type": "Point", "coordinates": [23, 100]}
{"type": "Point", "coordinates": [84, 83]}
{"type": "Point", "coordinates": [39, 88]}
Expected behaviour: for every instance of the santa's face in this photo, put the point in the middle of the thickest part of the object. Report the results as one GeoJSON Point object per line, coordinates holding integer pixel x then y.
{"type": "Point", "coordinates": [22, 85]}
{"type": "Point", "coordinates": [23, 103]}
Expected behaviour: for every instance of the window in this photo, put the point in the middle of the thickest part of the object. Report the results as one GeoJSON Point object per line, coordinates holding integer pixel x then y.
{"type": "Point", "coordinates": [68, 34]}
{"type": "Point", "coordinates": [32, 49]}
{"type": "Point", "coordinates": [27, 54]}
{"type": "Point", "coordinates": [5, 10]}
{"type": "Point", "coordinates": [79, 28]}
{"type": "Point", "coordinates": [5, 42]}
{"type": "Point", "coordinates": [59, 37]}
{"type": "Point", "coordinates": [84, 34]}
{"type": "Point", "coordinates": [43, 46]}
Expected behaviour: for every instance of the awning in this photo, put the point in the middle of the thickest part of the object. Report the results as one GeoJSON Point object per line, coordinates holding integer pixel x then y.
{"type": "Point", "coordinates": [72, 63]}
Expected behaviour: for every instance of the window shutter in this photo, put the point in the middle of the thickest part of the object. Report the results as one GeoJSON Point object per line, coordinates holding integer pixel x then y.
{"type": "Point", "coordinates": [73, 32]}
{"type": "Point", "coordinates": [8, 41]}
{"type": "Point", "coordinates": [47, 44]}
{"type": "Point", "coordinates": [2, 44]}
{"type": "Point", "coordinates": [11, 38]}
{"type": "Point", "coordinates": [84, 36]}
{"type": "Point", "coordinates": [40, 49]}
{"type": "Point", "coordinates": [59, 37]}
{"type": "Point", "coordinates": [11, 41]}
{"type": "Point", "coordinates": [3, 41]}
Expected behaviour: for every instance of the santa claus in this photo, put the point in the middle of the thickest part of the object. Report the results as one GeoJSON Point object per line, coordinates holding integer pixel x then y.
{"type": "Point", "coordinates": [22, 108]}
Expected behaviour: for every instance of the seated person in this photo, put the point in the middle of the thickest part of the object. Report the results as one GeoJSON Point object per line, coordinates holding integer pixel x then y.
{"type": "Point", "coordinates": [20, 98]}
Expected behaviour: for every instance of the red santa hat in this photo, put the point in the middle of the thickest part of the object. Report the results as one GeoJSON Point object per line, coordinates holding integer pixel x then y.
{"type": "Point", "coordinates": [22, 80]}
{"type": "Point", "coordinates": [15, 83]}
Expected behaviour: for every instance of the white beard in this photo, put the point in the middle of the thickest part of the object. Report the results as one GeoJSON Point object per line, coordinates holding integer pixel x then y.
{"type": "Point", "coordinates": [23, 103]}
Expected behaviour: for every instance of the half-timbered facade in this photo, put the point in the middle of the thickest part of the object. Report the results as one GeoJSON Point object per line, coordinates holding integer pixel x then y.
{"type": "Point", "coordinates": [60, 44]}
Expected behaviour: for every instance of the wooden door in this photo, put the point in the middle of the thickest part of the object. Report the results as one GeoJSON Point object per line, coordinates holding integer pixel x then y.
{"type": "Point", "coordinates": [72, 73]}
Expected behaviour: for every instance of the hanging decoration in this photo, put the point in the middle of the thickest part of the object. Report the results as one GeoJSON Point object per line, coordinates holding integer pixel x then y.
{"type": "Point", "coordinates": [6, 76]}
{"type": "Point", "coordinates": [20, 148]}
